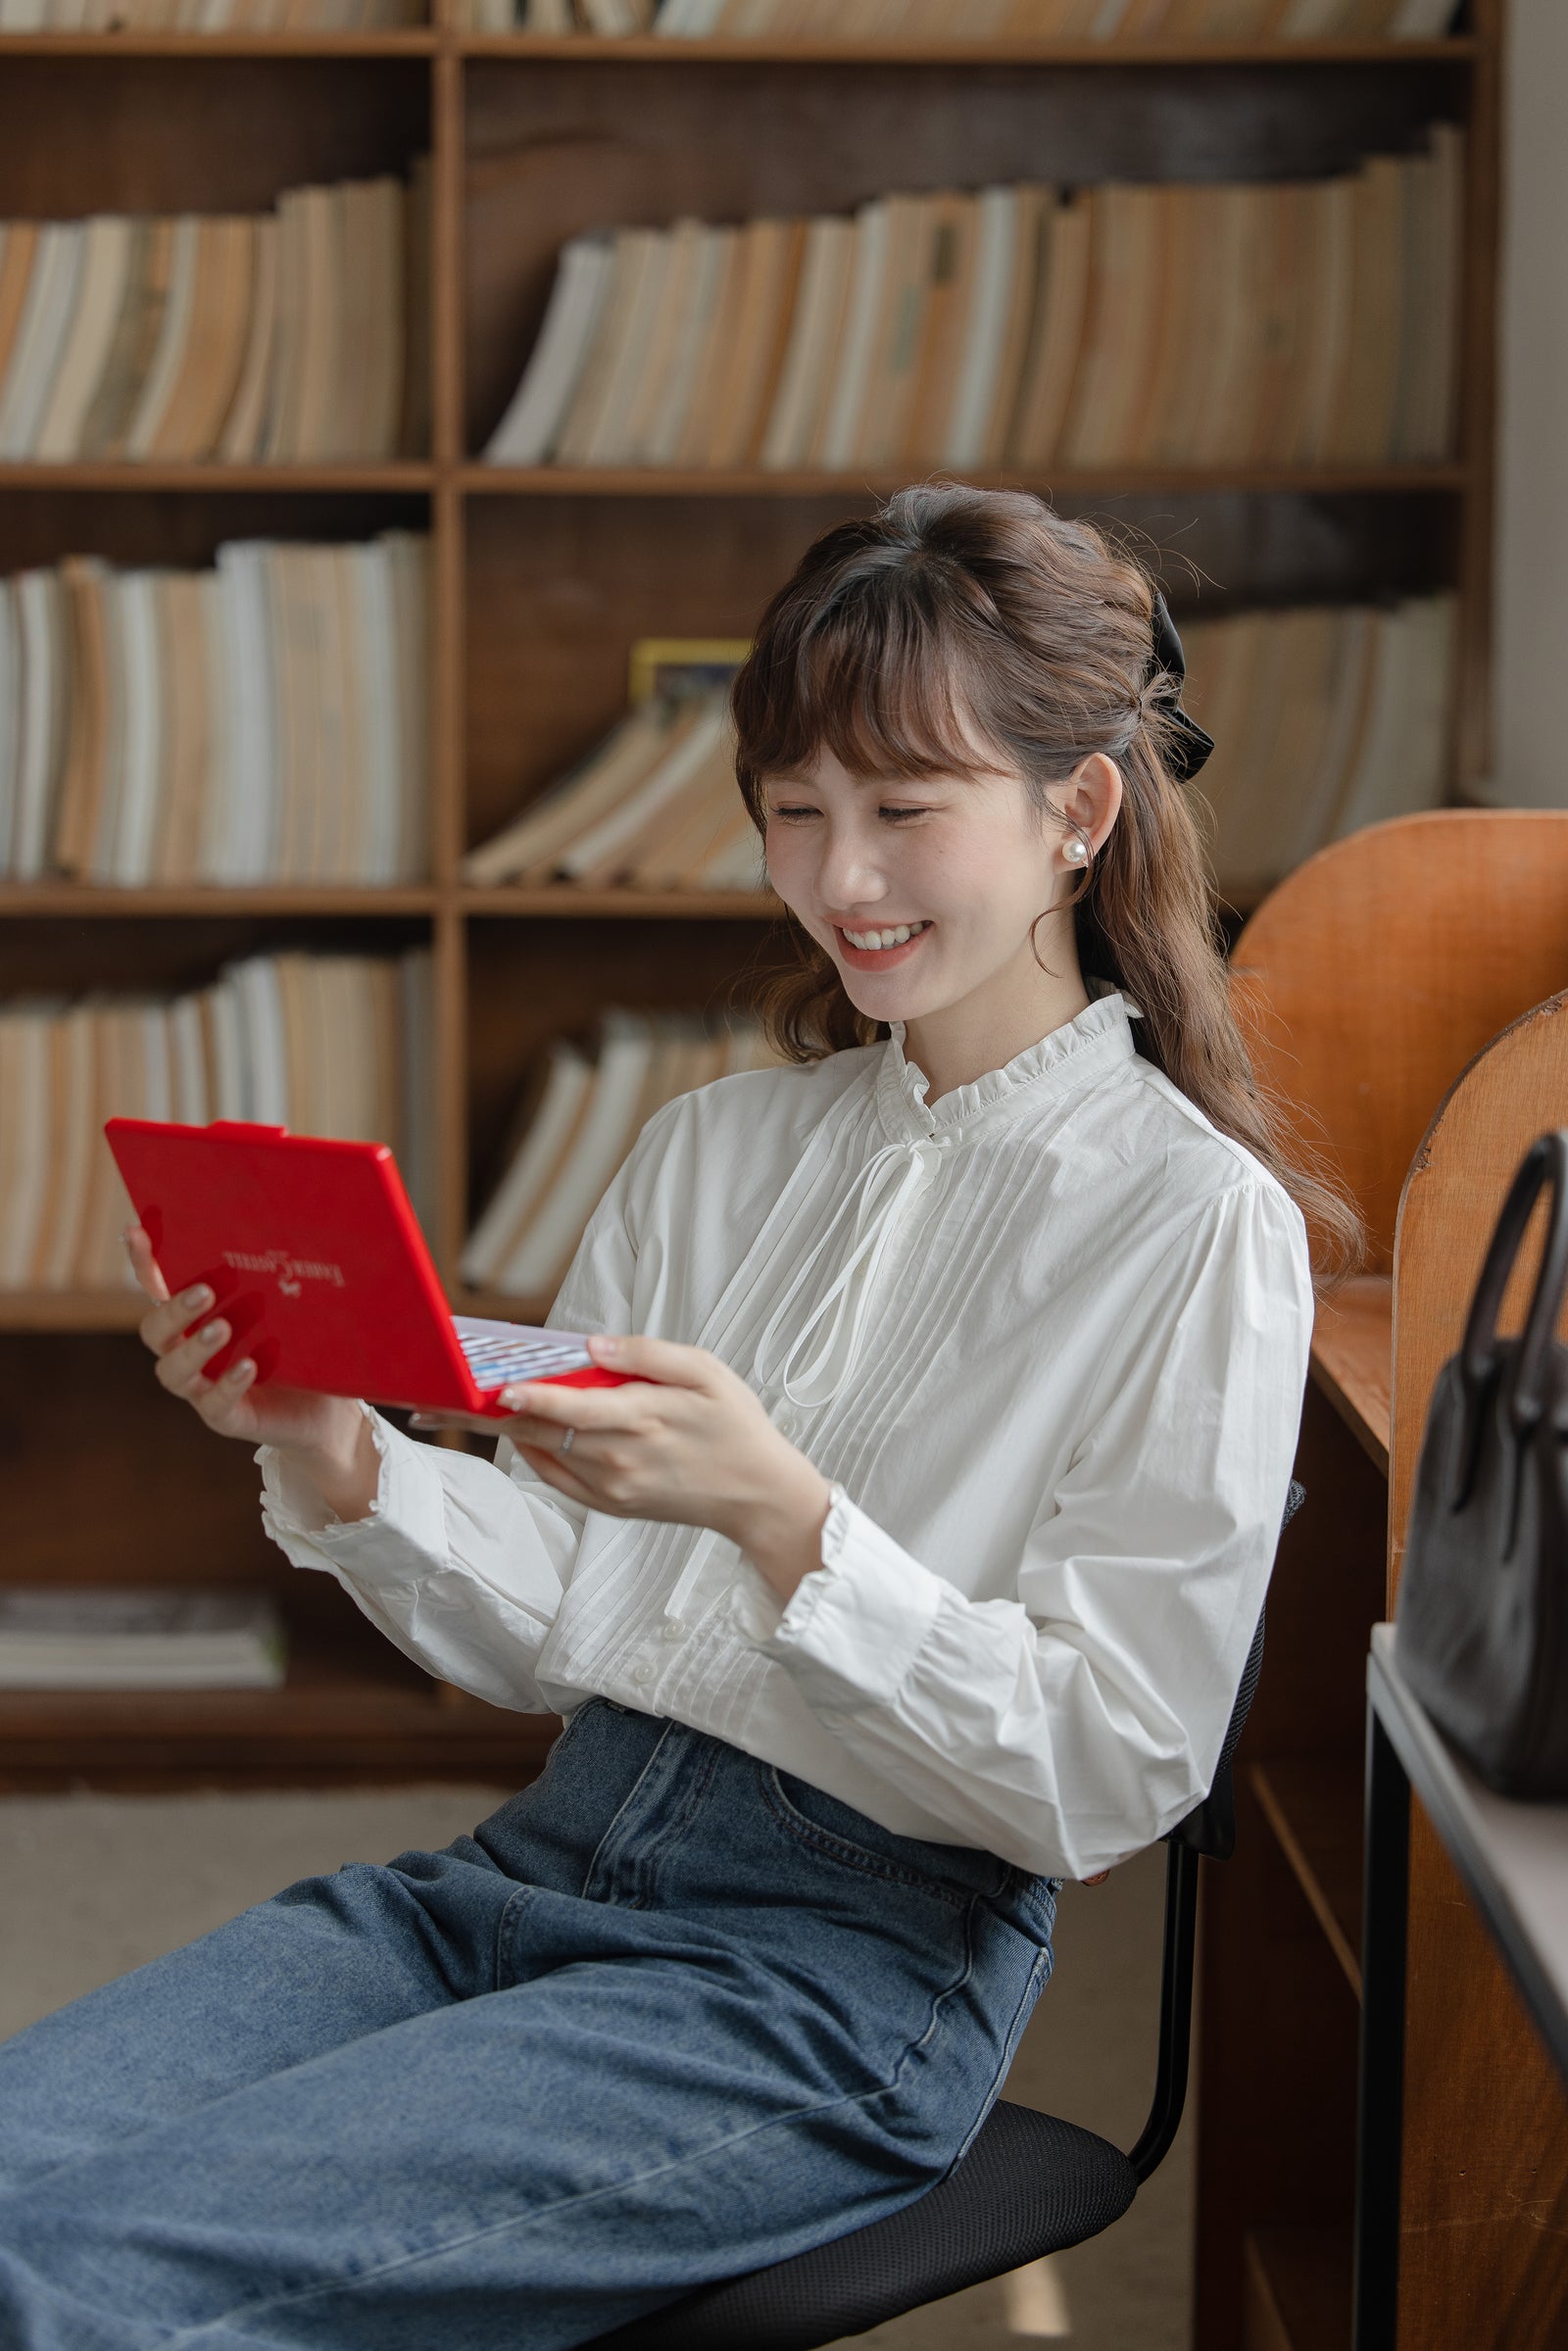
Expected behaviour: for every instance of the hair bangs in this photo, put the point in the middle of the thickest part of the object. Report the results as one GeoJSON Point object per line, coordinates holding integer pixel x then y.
{"type": "Point", "coordinates": [879, 677]}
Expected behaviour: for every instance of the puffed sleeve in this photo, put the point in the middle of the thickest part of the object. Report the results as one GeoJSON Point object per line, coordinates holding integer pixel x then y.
{"type": "Point", "coordinates": [1069, 1726]}
{"type": "Point", "coordinates": [461, 1562]}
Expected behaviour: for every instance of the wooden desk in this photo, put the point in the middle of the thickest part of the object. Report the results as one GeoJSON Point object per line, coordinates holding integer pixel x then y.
{"type": "Point", "coordinates": [1514, 1860]}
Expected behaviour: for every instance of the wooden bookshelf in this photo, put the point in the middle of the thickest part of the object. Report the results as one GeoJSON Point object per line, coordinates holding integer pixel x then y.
{"type": "Point", "coordinates": [542, 578]}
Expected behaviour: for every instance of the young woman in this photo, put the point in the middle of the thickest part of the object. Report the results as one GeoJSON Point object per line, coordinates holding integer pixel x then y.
{"type": "Point", "coordinates": [915, 1577]}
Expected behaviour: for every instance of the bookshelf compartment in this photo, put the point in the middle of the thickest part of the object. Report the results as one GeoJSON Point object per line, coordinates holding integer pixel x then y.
{"type": "Point", "coordinates": [559, 591]}
{"type": "Point", "coordinates": [352, 1710]}
{"type": "Point", "coordinates": [534, 980]}
{"type": "Point", "coordinates": [731, 143]}
{"type": "Point", "coordinates": [332, 647]}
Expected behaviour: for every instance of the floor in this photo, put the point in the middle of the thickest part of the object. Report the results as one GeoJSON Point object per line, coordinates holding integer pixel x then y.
{"type": "Point", "coordinates": [96, 1885]}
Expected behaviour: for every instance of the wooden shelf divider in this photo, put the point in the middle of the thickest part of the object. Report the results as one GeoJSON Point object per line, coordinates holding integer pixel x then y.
{"type": "Point", "coordinates": [650, 49]}
{"type": "Point", "coordinates": [1313, 1805]}
{"type": "Point", "coordinates": [660, 481]}
{"type": "Point", "coordinates": [580, 48]}
{"type": "Point", "coordinates": [209, 477]}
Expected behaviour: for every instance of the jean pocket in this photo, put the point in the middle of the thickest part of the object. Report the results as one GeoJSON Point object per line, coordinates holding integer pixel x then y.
{"type": "Point", "coordinates": [835, 1830]}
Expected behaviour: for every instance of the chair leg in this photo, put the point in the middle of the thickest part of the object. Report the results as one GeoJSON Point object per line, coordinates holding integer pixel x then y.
{"type": "Point", "coordinates": [1175, 2011]}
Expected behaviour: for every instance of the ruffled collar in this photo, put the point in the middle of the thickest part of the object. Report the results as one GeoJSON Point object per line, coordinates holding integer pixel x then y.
{"type": "Point", "coordinates": [1062, 1059]}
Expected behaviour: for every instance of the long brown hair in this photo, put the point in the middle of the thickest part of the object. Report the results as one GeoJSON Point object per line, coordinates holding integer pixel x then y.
{"type": "Point", "coordinates": [952, 611]}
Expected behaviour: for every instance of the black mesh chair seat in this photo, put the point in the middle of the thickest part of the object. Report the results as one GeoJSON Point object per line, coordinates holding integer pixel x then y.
{"type": "Point", "coordinates": [1030, 2185]}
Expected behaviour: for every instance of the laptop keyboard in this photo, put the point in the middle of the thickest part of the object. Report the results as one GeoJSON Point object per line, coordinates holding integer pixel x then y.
{"type": "Point", "coordinates": [498, 1352]}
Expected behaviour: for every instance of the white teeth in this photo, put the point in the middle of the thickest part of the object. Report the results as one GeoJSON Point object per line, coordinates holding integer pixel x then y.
{"type": "Point", "coordinates": [905, 930]}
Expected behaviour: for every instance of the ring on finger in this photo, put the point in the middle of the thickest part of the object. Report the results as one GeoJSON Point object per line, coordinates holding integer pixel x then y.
{"type": "Point", "coordinates": [567, 1441]}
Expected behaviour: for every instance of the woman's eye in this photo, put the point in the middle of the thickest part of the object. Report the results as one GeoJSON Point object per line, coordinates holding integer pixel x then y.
{"type": "Point", "coordinates": [897, 814]}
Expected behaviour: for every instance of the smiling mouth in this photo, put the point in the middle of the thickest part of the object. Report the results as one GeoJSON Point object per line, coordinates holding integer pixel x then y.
{"type": "Point", "coordinates": [877, 942]}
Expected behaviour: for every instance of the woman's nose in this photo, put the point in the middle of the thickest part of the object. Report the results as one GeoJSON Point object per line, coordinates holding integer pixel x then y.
{"type": "Point", "coordinates": [849, 872]}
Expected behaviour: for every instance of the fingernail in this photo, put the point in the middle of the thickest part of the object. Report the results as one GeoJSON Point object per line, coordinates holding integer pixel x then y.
{"type": "Point", "coordinates": [605, 1344]}
{"type": "Point", "coordinates": [514, 1397]}
{"type": "Point", "coordinates": [241, 1371]}
{"type": "Point", "coordinates": [197, 1297]}
{"type": "Point", "coordinates": [213, 1330]}
{"type": "Point", "coordinates": [420, 1420]}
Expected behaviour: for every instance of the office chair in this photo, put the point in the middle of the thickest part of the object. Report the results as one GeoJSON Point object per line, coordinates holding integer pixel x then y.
{"type": "Point", "coordinates": [1030, 2185]}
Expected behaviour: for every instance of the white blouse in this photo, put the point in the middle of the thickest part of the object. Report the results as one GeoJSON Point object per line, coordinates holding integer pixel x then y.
{"type": "Point", "coordinates": [1050, 1335]}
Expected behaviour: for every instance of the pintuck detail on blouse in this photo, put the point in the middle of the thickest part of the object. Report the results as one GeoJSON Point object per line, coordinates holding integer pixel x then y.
{"type": "Point", "coordinates": [1049, 1336]}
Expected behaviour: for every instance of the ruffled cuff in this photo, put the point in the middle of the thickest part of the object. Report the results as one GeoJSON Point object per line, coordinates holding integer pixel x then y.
{"type": "Point", "coordinates": [402, 1533]}
{"type": "Point", "coordinates": [853, 1627]}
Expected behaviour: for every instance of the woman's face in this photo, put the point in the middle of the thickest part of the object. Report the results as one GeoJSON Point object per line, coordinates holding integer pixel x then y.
{"type": "Point", "coordinates": [963, 860]}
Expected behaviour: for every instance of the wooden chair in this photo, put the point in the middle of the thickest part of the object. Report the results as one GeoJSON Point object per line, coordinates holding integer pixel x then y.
{"type": "Point", "coordinates": [1370, 983]}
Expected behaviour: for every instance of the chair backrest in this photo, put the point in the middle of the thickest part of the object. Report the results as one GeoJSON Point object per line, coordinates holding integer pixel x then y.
{"type": "Point", "coordinates": [1510, 1093]}
{"type": "Point", "coordinates": [1373, 973]}
{"type": "Point", "coordinates": [1210, 1827]}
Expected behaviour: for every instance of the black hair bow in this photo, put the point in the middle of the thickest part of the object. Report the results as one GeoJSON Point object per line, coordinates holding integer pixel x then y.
{"type": "Point", "coordinates": [1191, 745]}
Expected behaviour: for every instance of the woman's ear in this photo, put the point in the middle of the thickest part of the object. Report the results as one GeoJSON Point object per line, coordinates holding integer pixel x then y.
{"type": "Point", "coordinates": [1091, 797]}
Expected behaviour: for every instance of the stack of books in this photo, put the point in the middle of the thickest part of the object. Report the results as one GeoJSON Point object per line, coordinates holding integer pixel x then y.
{"type": "Point", "coordinates": [1324, 719]}
{"type": "Point", "coordinates": [1293, 322]}
{"type": "Point", "coordinates": [327, 1045]}
{"type": "Point", "coordinates": [576, 1130]}
{"type": "Point", "coordinates": [653, 806]}
{"type": "Point", "coordinates": [978, 21]}
{"type": "Point", "coordinates": [284, 336]}
{"type": "Point", "coordinates": [140, 1638]}
{"type": "Point", "coordinates": [264, 721]}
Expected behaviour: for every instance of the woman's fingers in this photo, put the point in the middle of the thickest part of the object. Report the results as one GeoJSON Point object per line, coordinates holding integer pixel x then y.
{"type": "Point", "coordinates": [181, 1367]}
{"type": "Point", "coordinates": [143, 1264]}
{"type": "Point", "coordinates": [167, 1317]}
{"type": "Point", "coordinates": [219, 1400]}
{"type": "Point", "coordinates": [163, 1325]}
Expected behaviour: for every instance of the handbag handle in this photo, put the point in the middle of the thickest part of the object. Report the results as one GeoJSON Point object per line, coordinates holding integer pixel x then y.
{"type": "Point", "coordinates": [1544, 1163]}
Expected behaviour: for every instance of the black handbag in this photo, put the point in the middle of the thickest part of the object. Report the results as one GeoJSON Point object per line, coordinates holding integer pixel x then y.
{"type": "Point", "coordinates": [1480, 1630]}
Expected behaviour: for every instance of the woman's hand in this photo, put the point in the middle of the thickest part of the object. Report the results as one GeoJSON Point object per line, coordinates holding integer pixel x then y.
{"type": "Point", "coordinates": [329, 1434]}
{"type": "Point", "coordinates": [687, 1441]}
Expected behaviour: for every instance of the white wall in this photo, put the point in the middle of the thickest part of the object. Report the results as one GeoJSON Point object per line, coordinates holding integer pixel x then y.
{"type": "Point", "coordinates": [1530, 652]}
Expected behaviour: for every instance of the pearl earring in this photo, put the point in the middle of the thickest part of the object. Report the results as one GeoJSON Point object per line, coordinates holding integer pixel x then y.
{"type": "Point", "coordinates": [1076, 852]}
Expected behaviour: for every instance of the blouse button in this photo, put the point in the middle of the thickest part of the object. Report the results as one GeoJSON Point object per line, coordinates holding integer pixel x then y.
{"type": "Point", "coordinates": [642, 1674]}
{"type": "Point", "coordinates": [672, 1629]}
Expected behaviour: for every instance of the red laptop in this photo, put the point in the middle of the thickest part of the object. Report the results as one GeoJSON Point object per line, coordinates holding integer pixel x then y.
{"type": "Point", "coordinates": [317, 1260]}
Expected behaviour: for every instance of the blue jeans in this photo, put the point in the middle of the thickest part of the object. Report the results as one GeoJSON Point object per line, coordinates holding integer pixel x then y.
{"type": "Point", "coordinates": [666, 2016]}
